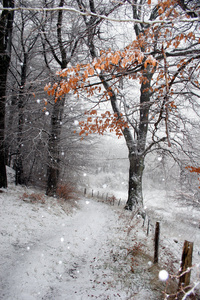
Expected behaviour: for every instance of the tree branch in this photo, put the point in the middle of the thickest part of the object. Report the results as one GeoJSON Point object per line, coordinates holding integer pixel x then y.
{"type": "Point", "coordinates": [88, 13]}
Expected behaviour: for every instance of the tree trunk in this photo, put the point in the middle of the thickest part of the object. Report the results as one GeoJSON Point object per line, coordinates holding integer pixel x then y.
{"type": "Point", "coordinates": [135, 198]}
{"type": "Point", "coordinates": [19, 171]}
{"type": "Point", "coordinates": [6, 22]}
{"type": "Point", "coordinates": [137, 148]}
{"type": "Point", "coordinates": [19, 179]}
{"type": "Point", "coordinates": [4, 64]}
{"type": "Point", "coordinates": [19, 176]}
{"type": "Point", "coordinates": [53, 168]}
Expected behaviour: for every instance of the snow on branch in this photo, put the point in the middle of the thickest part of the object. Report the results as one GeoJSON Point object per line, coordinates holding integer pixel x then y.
{"type": "Point", "coordinates": [89, 13]}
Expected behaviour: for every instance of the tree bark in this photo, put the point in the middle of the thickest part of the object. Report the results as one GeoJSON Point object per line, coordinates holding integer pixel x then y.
{"type": "Point", "coordinates": [53, 168]}
{"type": "Point", "coordinates": [19, 178]}
{"type": "Point", "coordinates": [135, 198]}
{"type": "Point", "coordinates": [4, 64]}
{"type": "Point", "coordinates": [6, 23]}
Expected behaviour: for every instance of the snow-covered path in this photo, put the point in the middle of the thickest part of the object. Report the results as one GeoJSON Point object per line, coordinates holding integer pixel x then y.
{"type": "Point", "coordinates": [58, 259]}
{"type": "Point", "coordinates": [77, 251]}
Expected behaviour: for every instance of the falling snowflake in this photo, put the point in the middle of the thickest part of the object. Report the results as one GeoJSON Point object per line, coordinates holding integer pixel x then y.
{"type": "Point", "coordinates": [163, 275]}
{"type": "Point", "coordinates": [76, 122]}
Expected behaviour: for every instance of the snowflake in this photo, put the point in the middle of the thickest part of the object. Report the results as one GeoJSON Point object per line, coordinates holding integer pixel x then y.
{"type": "Point", "coordinates": [163, 275]}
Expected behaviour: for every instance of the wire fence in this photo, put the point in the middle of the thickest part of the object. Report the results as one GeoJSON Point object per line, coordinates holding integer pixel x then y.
{"type": "Point", "coordinates": [104, 197]}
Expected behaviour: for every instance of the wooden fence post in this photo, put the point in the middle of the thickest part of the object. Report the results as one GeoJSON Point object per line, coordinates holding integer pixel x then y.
{"type": "Point", "coordinates": [186, 262]}
{"type": "Point", "coordinates": [156, 242]}
{"type": "Point", "coordinates": [144, 219]}
{"type": "Point", "coordinates": [148, 225]}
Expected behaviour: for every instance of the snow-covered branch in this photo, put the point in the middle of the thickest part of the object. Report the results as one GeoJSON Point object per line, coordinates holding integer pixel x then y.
{"type": "Point", "coordinates": [89, 13]}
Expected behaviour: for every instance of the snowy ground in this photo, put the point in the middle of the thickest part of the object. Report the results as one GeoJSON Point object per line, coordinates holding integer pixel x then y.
{"type": "Point", "coordinates": [85, 250]}
{"type": "Point", "coordinates": [49, 251]}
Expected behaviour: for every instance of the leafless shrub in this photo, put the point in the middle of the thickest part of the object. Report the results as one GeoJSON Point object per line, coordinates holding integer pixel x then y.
{"type": "Point", "coordinates": [66, 191]}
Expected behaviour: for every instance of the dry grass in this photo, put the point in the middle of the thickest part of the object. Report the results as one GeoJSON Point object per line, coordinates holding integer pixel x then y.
{"type": "Point", "coordinates": [66, 191]}
{"type": "Point", "coordinates": [33, 198]}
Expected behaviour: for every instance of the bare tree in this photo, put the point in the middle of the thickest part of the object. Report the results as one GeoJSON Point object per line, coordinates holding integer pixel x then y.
{"type": "Point", "coordinates": [25, 68]}
{"type": "Point", "coordinates": [40, 143]}
{"type": "Point", "coordinates": [62, 48]}
{"type": "Point", "coordinates": [6, 25]}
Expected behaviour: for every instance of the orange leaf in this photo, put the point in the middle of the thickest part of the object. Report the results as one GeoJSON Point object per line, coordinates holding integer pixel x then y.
{"type": "Point", "coordinates": [91, 71]}
{"type": "Point", "coordinates": [93, 112]}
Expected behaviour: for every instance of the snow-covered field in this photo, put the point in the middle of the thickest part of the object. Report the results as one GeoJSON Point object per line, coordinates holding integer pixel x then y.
{"type": "Point", "coordinates": [86, 249]}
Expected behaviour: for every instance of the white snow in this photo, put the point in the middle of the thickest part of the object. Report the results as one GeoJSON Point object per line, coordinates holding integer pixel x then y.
{"type": "Point", "coordinates": [163, 275]}
{"type": "Point", "coordinates": [76, 122]}
{"type": "Point", "coordinates": [66, 251]}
